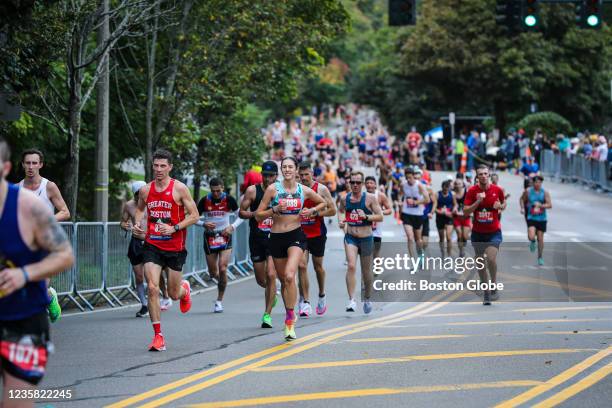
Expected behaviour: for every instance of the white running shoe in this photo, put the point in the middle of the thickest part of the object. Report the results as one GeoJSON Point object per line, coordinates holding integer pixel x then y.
{"type": "Point", "coordinates": [351, 306]}
{"type": "Point", "coordinates": [165, 304]}
{"type": "Point", "coordinates": [321, 306]}
{"type": "Point", "coordinates": [218, 307]}
{"type": "Point", "coordinates": [305, 309]}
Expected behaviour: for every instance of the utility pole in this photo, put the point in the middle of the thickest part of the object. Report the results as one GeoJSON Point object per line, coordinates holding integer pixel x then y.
{"type": "Point", "coordinates": [102, 119]}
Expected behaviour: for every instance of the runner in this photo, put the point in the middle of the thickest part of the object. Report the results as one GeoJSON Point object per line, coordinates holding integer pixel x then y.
{"type": "Point", "coordinates": [427, 210]}
{"type": "Point", "coordinates": [316, 236]}
{"type": "Point", "coordinates": [486, 201]}
{"type": "Point", "coordinates": [166, 201]}
{"type": "Point", "coordinates": [415, 196]}
{"type": "Point", "coordinates": [215, 210]}
{"type": "Point", "coordinates": [443, 208]}
{"type": "Point", "coordinates": [495, 181]}
{"type": "Point", "coordinates": [386, 207]}
{"type": "Point", "coordinates": [32, 161]}
{"type": "Point", "coordinates": [413, 144]}
{"type": "Point", "coordinates": [358, 211]}
{"type": "Point", "coordinates": [536, 200]}
{"type": "Point", "coordinates": [283, 201]}
{"type": "Point", "coordinates": [461, 221]}
{"type": "Point", "coordinates": [259, 239]}
{"type": "Point", "coordinates": [278, 141]}
{"type": "Point", "coordinates": [33, 248]}
{"type": "Point", "coordinates": [396, 188]}
{"type": "Point", "coordinates": [128, 213]}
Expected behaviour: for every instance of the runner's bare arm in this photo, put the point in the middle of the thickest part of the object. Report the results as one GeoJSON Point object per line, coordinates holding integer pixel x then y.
{"type": "Point", "coordinates": [425, 195]}
{"type": "Point", "coordinates": [247, 199]}
{"type": "Point", "coordinates": [434, 207]}
{"type": "Point", "coordinates": [48, 236]}
{"type": "Point", "coordinates": [372, 204]}
{"type": "Point", "coordinates": [263, 211]}
{"type": "Point", "coordinates": [330, 206]}
{"type": "Point", "coordinates": [63, 214]}
{"type": "Point", "coordinates": [469, 209]}
{"type": "Point", "coordinates": [522, 200]}
{"type": "Point", "coordinates": [125, 223]}
{"type": "Point", "coordinates": [191, 209]}
{"type": "Point", "coordinates": [547, 201]}
{"type": "Point", "coordinates": [143, 193]}
{"type": "Point", "coordinates": [387, 206]}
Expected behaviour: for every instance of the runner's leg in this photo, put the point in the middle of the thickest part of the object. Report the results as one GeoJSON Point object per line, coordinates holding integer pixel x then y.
{"type": "Point", "coordinates": [13, 383]}
{"type": "Point", "coordinates": [351, 257]}
{"type": "Point", "coordinates": [153, 275]}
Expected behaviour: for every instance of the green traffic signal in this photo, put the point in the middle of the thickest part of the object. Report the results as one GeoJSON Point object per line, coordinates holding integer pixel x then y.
{"type": "Point", "coordinates": [593, 20]}
{"type": "Point", "coordinates": [530, 21]}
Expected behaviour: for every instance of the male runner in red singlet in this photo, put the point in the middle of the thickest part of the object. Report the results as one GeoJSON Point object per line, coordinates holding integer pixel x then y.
{"type": "Point", "coordinates": [166, 201]}
{"type": "Point", "coordinates": [316, 237]}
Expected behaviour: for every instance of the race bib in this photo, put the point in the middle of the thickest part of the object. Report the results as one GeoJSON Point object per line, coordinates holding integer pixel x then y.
{"type": "Point", "coordinates": [484, 217]}
{"type": "Point", "coordinates": [217, 241]}
{"type": "Point", "coordinates": [155, 233]}
{"type": "Point", "coordinates": [304, 220]}
{"type": "Point", "coordinates": [411, 202]}
{"type": "Point", "coordinates": [536, 210]}
{"type": "Point", "coordinates": [293, 205]}
{"type": "Point", "coordinates": [447, 211]}
{"type": "Point", "coordinates": [353, 217]}
{"type": "Point", "coordinates": [25, 355]}
{"type": "Point", "coordinates": [265, 225]}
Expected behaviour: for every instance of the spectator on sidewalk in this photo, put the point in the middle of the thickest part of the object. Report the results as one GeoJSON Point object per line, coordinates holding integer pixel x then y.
{"type": "Point", "coordinates": [251, 178]}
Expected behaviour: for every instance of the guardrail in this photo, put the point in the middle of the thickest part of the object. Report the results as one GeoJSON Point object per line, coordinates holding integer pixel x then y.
{"type": "Point", "coordinates": [102, 274]}
{"type": "Point", "coordinates": [576, 169]}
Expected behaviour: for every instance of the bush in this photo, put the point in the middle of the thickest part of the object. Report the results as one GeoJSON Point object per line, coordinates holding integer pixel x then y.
{"type": "Point", "coordinates": [550, 123]}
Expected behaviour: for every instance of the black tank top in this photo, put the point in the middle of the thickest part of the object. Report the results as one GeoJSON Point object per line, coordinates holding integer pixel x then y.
{"type": "Point", "coordinates": [259, 193]}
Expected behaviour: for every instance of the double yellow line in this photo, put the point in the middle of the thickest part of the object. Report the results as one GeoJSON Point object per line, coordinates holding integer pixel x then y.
{"type": "Point", "coordinates": [275, 353]}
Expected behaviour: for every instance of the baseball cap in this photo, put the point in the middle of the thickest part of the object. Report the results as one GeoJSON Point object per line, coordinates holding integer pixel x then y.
{"type": "Point", "coordinates": [468, 174]}
{"type": "Point", "coordinates": [137, 185]}
{"type": "Point", "coordinates": [269, 167]}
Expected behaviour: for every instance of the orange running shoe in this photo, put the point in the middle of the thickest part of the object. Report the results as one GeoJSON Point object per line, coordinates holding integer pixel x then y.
{"type": "Point", "coordinates": [186, 300]}
{"type": "Point", "coordinates": [158, 344]}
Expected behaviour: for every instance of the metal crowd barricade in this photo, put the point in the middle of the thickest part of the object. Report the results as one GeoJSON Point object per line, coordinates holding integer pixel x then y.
{"type": "Point", "coordinates": [241, 250]}
{"type": "Point", "coordinates": [195, 264]}
{"type": "Point", "coordinates": [64, 283]}
{"type": "Point", "coordinates": [576, 168]}
{"type": "Point", "coordinates": [119, 275]}
{"type": "Point", "coordinates": [564, 167]}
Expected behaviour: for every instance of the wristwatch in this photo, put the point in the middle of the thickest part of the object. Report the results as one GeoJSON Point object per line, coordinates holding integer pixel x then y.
{"type": "Point", "coordinates": [177, 227]}
{"type": "Point", "coordinates": [315, 213]}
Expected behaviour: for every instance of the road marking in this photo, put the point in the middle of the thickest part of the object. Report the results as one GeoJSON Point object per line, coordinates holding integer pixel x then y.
{"type": "Point", "coordinates": [554, 309]}
{"type": "Point", "coordinates": [426, 357]}
{"type": "Point", "coordinates": [595, 250]}
{"type": "Point", "coordinates": [566, 234]}
{"type": "Point", "coordinates": [367, 392]}
{"type": "Point", "coordinates": [450, 336]}
{"type": "Point", "coordinates": [513, 233]}
{"type": "Point", "coordinates": [558, 285]}
{"type": "Point", "coordinates": [402, 338]}
{"type": "Point", "coordinates": [498, 322]}
{"type": "Point", "coordinates": [295, 350]}
{"type": "Point", "coordinates": [558, 379]}
{"type": "Point", "coordinates": [233, 363]}
{"type": "Point", "coordinates": [414, 311]}
{"type": "Point", "coordinates": [576, 388]}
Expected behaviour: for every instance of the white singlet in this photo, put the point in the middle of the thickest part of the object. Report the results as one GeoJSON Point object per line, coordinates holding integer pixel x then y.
{"type": "Point", "coordinates": [412, 191]}
{"type": "Point", "coordinates": [41, 192]}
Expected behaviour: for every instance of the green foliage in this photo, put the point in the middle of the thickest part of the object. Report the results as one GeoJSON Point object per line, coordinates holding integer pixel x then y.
{"type": "Point", "coordinates": [550, 123]}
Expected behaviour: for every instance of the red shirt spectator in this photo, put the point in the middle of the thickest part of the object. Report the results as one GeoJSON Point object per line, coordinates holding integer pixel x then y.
{"type": "Point", "coordinates": [251, 177]}
{"type": "Point", "coordinates": [486, 218]}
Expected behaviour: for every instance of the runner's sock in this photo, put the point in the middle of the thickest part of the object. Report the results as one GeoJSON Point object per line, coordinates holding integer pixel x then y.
{"type": "Point", "coordinates": [140, 288]}
{"type": "Point", "coordinates": [289, 315]}
{"type": "Point", "coordinates": [157, 328]}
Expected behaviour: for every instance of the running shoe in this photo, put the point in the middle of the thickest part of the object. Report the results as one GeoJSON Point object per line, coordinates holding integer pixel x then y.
{"type": "Point", "coordinates": [486, 301]}
{"type": "Point", "coordinates": [305, 310]}
{"type": "Point", "coordinates": [290, 329]}
{"type": "Point", "coordinates": [143, 312]}
{"type": "Point", "coordinates": [218, 307]}
{"type": "Point", "coordinates": [351, 306]}
{"type": "Point", "coordinates": [186, 300]}
{"type": "Point", "coordinates": [54, 308]}
{"type": "Point", "coordinates": [540, 261]}
{"type": "Point", "coordinates": [266, 321]}
{"type": "Point", "coordinates": [532, 246]}
{"type": "Point", "coordinates": [494, 295]}
{"type": "Point", "coordinates": [321, 306]}
{"type": "Point", "coordinates": [165, 304]}
{"type": "Point", "coordinates": [367, 307]}
{"type": "Point", "coordinates": [158, 344]}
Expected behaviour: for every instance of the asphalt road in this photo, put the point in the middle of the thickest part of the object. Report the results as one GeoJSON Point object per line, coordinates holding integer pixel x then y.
{"type": "Point", "coordinates": [443, 353]}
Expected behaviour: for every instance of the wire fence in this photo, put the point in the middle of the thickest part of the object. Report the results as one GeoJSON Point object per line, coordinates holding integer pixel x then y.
{"type": "Point", "coordinates": [576, 169]}
{"type": "Point", "coordinates": [102, 274]}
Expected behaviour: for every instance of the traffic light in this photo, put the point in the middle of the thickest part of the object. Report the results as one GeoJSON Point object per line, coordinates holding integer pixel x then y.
{"type": "Point", "coordinates": [402, 12]}
{"type": "Point", "coordinates": [591, 13]}
{"type": "Point", "coordinates": [508, 15]}
{"type": "Point", "coordinates": [529, 14]}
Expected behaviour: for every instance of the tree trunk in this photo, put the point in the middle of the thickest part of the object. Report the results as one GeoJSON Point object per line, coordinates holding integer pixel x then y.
{"type": "Point", "coordinates": [198, 170]}
{"type": "Point", "coordinates": [71, 179]}
{"type": "Point", "coordinates": [500, 117]}
{"type": "Point", "coordinates": [152, 48]}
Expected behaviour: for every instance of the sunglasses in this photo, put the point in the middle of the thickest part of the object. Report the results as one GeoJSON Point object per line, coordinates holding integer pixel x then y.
{"type": "Point", "coordinates": [356, 183]}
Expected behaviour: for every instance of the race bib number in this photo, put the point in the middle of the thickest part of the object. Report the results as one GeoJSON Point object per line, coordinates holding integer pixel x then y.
{"type": "Point", "coordinates": [26, 356]}
{"type": "Point", "coordinates": [536, 210]}
{"type": "Point", "coordinates": [155, 233]}
{"type": "Point", "coordinates": [411, 203]}
{"type": "Point", "coordinates": [265, 225]}
{"type": "Point", "coordinates": [353, 217]}
{"type": "Point", "coordinates": [217, 241]}
{"type": "Point", "coordinates": [304, 220]}
{"type": "Point", "coordinates": [447, 211]}
{"type": "Point", "coordinates": [484, 217]}
{"type": "Point", "coordinates": [293, 205]}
